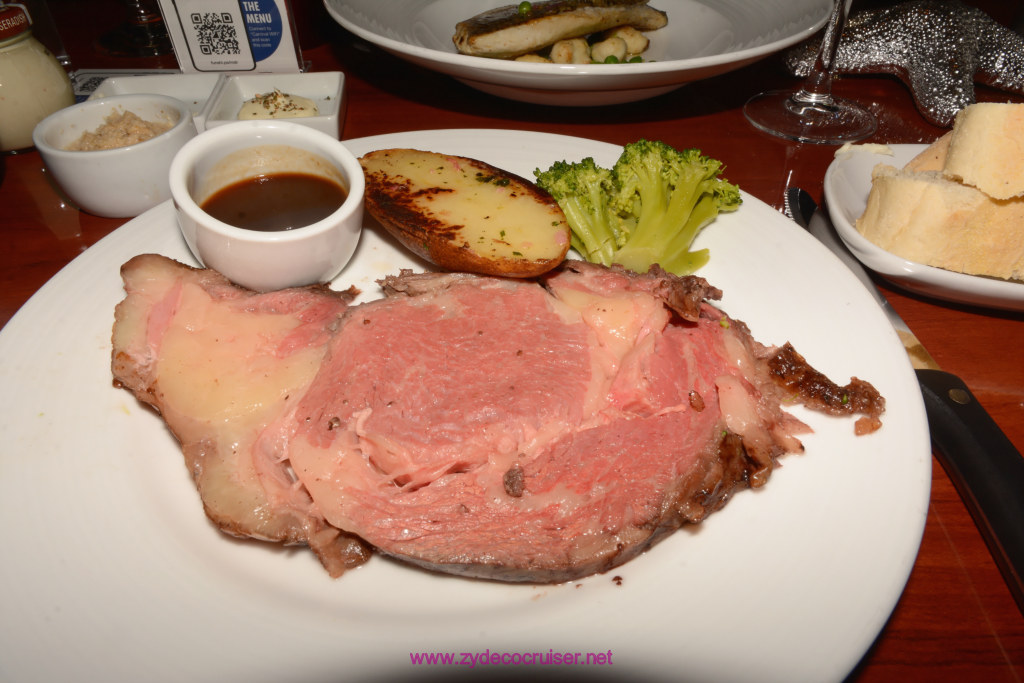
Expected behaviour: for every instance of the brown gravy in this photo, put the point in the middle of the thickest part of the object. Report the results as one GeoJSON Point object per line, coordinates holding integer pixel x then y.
{"type": "Point", "coordinates": [279, 201]}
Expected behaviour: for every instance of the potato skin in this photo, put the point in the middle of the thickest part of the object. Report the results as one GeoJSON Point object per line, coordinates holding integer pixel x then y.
{"type": "Point", "coordinates": [463, 214]}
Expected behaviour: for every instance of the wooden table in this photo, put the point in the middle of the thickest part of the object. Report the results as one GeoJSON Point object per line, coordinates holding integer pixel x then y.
{"type": "Point", "coordinates": [956, 620]}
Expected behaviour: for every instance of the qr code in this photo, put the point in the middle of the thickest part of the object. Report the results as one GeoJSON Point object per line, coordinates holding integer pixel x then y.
{"type": "Point", "coordinates": [215, 33]}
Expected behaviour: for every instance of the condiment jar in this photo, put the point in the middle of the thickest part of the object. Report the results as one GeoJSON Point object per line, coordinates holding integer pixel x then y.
{"type": "Point", "coordinates": [33, 84]}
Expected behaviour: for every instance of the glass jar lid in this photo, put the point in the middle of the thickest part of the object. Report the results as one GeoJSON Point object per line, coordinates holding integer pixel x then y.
{"type": "Point", "coordinates": [15, 23]}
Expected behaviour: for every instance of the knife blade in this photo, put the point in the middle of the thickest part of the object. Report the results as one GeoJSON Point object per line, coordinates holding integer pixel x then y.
{"type": "Point", "coordinates": [983, 464]}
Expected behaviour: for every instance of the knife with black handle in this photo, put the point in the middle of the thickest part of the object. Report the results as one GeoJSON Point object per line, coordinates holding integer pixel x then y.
{"type": "Point", "coordinates": [983, 464]}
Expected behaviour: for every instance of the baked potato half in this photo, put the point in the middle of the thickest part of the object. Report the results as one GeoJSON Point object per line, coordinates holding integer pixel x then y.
{"type": "Point", "coordinates": [465, 215]}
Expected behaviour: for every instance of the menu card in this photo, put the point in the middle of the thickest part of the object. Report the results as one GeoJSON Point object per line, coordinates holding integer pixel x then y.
{"type": "Point", "coordinates": [233, 35]}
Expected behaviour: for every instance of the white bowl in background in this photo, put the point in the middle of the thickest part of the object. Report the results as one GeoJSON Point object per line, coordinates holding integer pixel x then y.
{"type": "Point", "coordinates": [115, 183]}
{"type": "Point", "coordinates": [703, 38]}
{"type": "Point", "coordinates": [847, 186]}
{"type": "Point", "coordinates": [326, 89]}
{"type": "Point", "coordinates": [265, 261]}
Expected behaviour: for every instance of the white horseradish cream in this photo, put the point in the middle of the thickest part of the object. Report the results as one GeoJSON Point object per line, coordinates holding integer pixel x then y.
{"type": "Point", "coordinates": [277, 105]}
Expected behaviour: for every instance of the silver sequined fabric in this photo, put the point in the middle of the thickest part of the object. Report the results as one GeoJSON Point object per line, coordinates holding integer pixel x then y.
{"type": "Point", "coordinates": [938, 48]}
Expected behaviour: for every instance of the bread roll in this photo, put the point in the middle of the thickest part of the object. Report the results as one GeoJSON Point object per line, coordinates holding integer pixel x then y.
{"type": "Point", "coordinates": [927, 218]}
{"type": "Point", "coordinates": [986, 149]}
{"type": "Point", "coordinates": [933, 158]}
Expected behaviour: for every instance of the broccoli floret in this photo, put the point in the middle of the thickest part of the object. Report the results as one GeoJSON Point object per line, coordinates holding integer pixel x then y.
{"type": "Point", "coordinates": [647, 209]}
{"type": "Point", "coordinates": [583, 190]}
{"type": "Point", "coordinates": [719, 195]}
{"type": "Point", "coordinates": [668, 195]}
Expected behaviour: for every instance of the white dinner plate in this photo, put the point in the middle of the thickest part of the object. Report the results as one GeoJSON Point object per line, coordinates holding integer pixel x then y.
{"type": "Point", "coordinates": [111, 571]}
{"type": "Point", "coordinates": [703, 38]}
{"type": "Point", "coordinates": [847, 185]}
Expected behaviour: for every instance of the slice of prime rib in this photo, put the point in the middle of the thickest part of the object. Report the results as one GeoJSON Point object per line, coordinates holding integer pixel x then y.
{"type": "Point", "coordinates": [533, 431]}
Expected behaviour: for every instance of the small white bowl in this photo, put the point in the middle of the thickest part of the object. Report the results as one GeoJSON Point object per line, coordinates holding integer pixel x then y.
{"type": "Point", "coordinates": [121, 182]}
{"type": "Point", "coordinates": [326, 89]}
{"type": "Point", "coordinates": [266, 261]}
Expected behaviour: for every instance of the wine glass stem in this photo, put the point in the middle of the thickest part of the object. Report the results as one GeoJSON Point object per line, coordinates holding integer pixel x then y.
{"type": "Point", "coordinates": [817, 87]}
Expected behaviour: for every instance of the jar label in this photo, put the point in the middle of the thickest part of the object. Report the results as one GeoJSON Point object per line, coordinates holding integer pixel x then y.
{"type": "Point", "coordinates": [14, 21]}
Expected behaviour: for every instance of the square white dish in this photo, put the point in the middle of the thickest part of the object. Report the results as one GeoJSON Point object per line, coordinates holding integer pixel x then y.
{"type": "Point", "coordinates": [847, 185]}
{"type": "Point", "coordinates": [192, 89]}
{"type": "Point", "coordinates": [326, 89]}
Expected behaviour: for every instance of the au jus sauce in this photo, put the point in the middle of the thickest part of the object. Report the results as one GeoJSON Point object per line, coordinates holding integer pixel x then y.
{"type": "Point", "coordinates": [276, 202]}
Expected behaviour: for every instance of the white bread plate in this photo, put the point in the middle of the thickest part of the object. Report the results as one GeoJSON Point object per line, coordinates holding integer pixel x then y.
{"type": "Point", "coordinates": [847, 185]}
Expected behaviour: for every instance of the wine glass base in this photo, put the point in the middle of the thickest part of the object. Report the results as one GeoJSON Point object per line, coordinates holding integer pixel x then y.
{"type": "Point", "coordinates": [831, 121]}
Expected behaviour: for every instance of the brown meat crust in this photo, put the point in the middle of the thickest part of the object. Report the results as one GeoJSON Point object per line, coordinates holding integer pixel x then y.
{"type": "Point", "coordinates": [818, 392]}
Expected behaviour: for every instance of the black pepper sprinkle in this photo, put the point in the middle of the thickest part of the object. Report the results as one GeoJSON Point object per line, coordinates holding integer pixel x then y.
{"type": "Point", "coordinates": [275, 102]}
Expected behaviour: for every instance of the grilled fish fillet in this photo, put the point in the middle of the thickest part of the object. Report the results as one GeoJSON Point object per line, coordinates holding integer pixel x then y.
{"type": "Point", "coordinates": [504, 32]}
